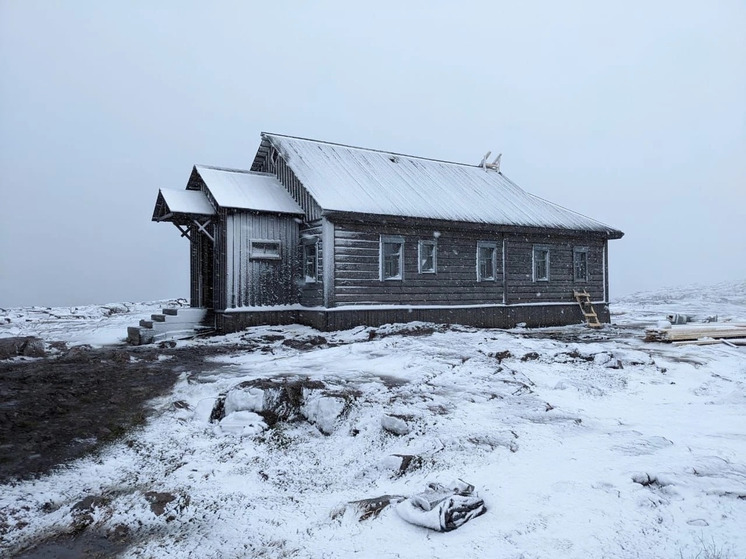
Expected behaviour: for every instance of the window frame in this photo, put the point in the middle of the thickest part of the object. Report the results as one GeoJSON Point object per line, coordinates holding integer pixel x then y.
{"type": "Point", "coordinates": [427, 243]}
{"type": "Point", "coordinates": [492, 245]}
{"type": "Point", "coordinates": [575, 252]}
{"type": "Point", "coordinates": [306, 245]}
{"type": "Point", "coordinates": [390, 239]}
{"type": "Point", "coordinates": [547, 262]}
{"type": "Point", "coordinates": [253, 255]}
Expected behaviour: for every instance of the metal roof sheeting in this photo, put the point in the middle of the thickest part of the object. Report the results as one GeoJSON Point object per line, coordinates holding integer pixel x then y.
{"type": "Point", "coordinates": [187, 202]}
{"type": "Point", "coordinates": [350, 179]}
{"type": "Point", "coordinates": [246, 190]}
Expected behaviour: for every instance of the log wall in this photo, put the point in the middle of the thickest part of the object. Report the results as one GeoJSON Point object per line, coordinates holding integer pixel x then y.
{"type": "Point", "coordinates": [357, 266]}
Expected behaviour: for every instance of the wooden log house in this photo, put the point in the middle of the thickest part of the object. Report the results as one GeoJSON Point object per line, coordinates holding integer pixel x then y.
{"type": "Point", "coordinates": [336, 236]}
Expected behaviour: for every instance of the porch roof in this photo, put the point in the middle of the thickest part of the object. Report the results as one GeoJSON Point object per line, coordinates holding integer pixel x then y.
{"type": "Point", "coordinates": [188, 202]}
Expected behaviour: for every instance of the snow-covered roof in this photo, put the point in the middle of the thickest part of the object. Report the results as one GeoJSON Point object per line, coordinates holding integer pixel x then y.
{"type": "Point", "coordinates": [351, 179]}
{"type": "Point", "coordinates": [187, 202]}
{"type": "Point", "coordinates": [233, 188]}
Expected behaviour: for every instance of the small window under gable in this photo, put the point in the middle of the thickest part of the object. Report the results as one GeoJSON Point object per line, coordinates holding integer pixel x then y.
{"type": "Point", "coordinates": [541, 263]}
{"type": "Point", "coordinates": [264, 249]}
{"type": "Point", "coordinates": [486, 260]}
{"type": "Point", "coordinates": [310, 260]}
{"type": "Point", "coordinates": [580, 263]}
{"type": "Point", "coordinates": [427, 252]}
{"type": "Point", "coordinates": [392, 257]}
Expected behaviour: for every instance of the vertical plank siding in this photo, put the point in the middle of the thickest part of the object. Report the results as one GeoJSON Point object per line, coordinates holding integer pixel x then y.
{"type": "Point", "coordinates": [287, 178]}
{"type": "Point", "coordinates": [260, 282]}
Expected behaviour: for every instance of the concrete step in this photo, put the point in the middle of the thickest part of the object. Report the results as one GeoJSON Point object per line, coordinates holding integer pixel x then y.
{"type": "Point", "coordinates": [191, 313]}
{"type": "Point", "coordinates": [139, 336]}
{"type": "Point", "coordinates": [171, 324]}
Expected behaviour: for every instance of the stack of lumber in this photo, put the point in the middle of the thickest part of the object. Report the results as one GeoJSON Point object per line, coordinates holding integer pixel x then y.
{"type": "Point", "coordinates": [699, 334]}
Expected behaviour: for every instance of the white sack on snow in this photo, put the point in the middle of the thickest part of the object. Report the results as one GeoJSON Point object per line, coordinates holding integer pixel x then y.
{"type": "Point", "coordinates": [441, 508]}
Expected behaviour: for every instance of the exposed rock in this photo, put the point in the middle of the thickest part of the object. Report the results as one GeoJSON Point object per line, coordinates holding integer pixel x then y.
{"type": "Point", "coordinates": [369, 508]}
{"type": "Point", "coordinates": [274, 400]}
{"type": "Point", "coordinates": [34, 347]}
{"type": "Point", "coordinates": [82, 512]}
{"type": "Point", "coordinates": [243, 423]}
{"type": "Point", "coordinates": [395, 424]}
{"type": "Point", "coordinates": [500, 355]}
{"type": "Point", "coordinates": [285, 400]}
{"type": "Point", "coordinates": [305, 343]}
{"type": "Point", "coordinates": [158, 501]}
{"type": "Point", "coordinates": [323, 409]}
{"type": "Point", "coordinates": [89, 503]}
{"type": "Point", "coordinates": [403, 463]}
{"type": "Point", "coordinates": [28, 346]}
{"type": "Point", "coordinates": [120, 533]}
{"type": "Point", "coordinates": [78, 353]}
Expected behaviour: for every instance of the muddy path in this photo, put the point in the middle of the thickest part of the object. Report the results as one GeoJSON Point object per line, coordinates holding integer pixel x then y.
{"type": "Point", "coordinates": [56, 409]}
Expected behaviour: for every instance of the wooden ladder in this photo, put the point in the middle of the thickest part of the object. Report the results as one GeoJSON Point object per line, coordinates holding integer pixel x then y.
{"type": "Point", "coordinates": [584, 300]}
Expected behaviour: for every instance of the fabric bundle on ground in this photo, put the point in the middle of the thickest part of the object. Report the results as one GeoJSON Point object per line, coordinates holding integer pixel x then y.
{"type": "Point", "coordinates": [442, 508]}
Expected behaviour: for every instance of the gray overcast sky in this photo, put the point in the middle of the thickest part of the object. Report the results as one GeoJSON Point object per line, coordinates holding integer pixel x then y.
{"type": "Point", "coordinates": [633, 113]}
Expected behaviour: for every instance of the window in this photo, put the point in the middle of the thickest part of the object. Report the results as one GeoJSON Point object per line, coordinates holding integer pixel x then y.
{"type": "Point", "coordinates": [428, 257]}
{"type": "Point", "coordinates": [541, 263]}
{"type": "Point", "coordinates": [486, 260]}
{"type": "Point", "coordinates": [264, 250]}
{"type": "Point", "coordinates": [392, 256]}
{"type": "Point", "coordinates": [580, 263]}
{"type": "Point", "coordinates": [310, 261]}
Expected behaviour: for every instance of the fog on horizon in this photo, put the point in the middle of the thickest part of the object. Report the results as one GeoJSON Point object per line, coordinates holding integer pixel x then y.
{"type": "Point", "coordinates": [633, 114]}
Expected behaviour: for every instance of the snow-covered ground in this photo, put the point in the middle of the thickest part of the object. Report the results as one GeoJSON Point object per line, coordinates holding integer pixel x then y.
{"type": "Point", "coordinates": [95, 325]}
{"type": "Point", "coordinates": [581, 445]}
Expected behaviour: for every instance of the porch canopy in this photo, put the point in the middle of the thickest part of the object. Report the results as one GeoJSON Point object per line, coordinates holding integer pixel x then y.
{"type": "Point", "coordinates": [189, 210]}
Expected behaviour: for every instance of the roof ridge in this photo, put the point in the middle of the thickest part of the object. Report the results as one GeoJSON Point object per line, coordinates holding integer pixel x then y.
{"type": "Point", "coordinates": [230, 170]}
{"type": "Point", "coordinates": [369, 149]}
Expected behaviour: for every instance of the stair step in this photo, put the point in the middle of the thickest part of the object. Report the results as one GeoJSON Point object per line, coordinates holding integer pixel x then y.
{"type": "Point", "coordinates": [171, 324]}
{"type": "Point", "coordinates": [192, 313]}
{"type": "Point", "coordinates": [139, 336]}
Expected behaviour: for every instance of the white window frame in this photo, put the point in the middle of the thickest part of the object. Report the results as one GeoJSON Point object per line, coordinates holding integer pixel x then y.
{"type": "Point", "coordinates": [420, 245]}
{"type": "Point", "coordinates": [575, 252]}
{"type": "Point", "coordinates": [534, 262]}
{"type": "Point", "coordinates": [255, 254]}
{"type": "Point", "coordinates": [308, 243]}
{"type": "Point", "coordinates": [391, 239]}
{"type": "Point", "coordinates": [493, 247]}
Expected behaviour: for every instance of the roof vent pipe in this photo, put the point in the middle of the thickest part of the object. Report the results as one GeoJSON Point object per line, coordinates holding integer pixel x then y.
{"type": "Point", "coordinates": [494, 166]}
